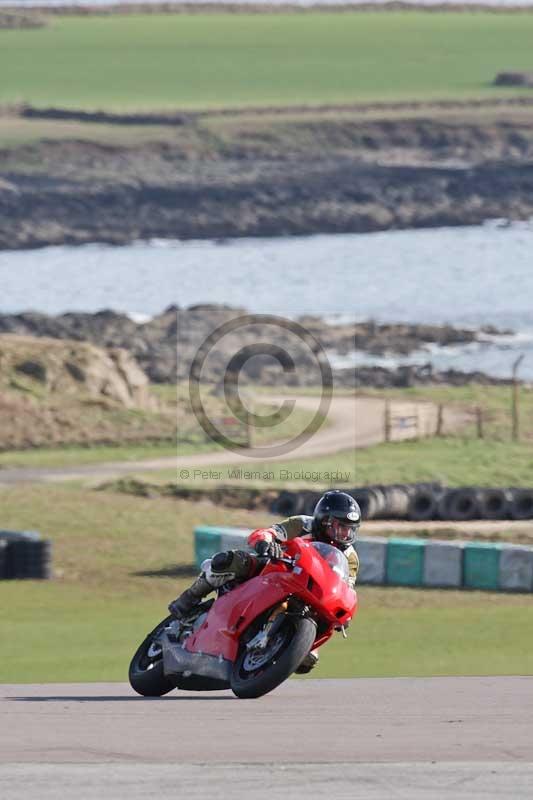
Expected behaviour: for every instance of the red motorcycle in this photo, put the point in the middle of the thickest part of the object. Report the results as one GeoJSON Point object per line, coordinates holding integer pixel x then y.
{"type": "Point", "coordinates": [252, 638]}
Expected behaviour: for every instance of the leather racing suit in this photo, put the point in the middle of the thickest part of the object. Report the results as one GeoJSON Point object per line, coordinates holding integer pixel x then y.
{"type": "Point", "coordinates": [230, 567]}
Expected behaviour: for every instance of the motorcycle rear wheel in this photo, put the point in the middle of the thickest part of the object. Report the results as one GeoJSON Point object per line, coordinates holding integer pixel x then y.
{"type": "Point", "coordinates": [250, 679]}
{"type": "Point", "coordinates": [146, 673]}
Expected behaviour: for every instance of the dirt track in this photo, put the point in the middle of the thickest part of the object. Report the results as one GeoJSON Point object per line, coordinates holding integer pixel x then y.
{"type": "Point", "coordinates": [353, 423]}
{"type": "Point", "coordinates": [364, 738]}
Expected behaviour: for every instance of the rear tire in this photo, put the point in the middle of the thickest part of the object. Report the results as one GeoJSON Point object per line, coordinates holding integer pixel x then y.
{"type": "Point", "coordinates": [299, 636]}
{"type": "Point", "coordinates": [146, 673]}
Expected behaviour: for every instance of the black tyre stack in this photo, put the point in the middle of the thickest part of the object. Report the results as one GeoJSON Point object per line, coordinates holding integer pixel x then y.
{"type": "Point", "coordinates": [520, 503]}
{"type": "Point", "coordinates": [423, 503]}
{"type": "Point", "coordinates": [3, 560]}
{"type": "Point", "coordinates": [25, 555]}
{"type": "Point", "coordinates": [419, 502]}
{"type": "Point", "coordinates": [287, 504]}
{"type": "Point", "coordinates": [459, 505]}
{"type": "Point", "coordinates": [38, 560]}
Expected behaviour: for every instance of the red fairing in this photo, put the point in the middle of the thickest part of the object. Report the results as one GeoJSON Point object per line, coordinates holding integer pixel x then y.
{"type": "Point", "coordinates": [261, 535]}
{"type": "Point", "coordinates": [312, 580]}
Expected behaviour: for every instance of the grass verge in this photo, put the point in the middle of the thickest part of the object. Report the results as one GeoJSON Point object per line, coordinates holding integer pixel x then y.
{"type": "Point", "coordinates": [77, 635]}
{"type": "Point", "coordinates": [115, 560]}
{"type": "Point", "coordinates": [95, 454]}
{"type": "Point", "coordinates": [313, 473]}
{"type": "Point", "coordinates": [454, 461]}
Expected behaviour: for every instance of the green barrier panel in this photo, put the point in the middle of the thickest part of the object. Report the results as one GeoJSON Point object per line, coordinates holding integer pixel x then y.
{"type": "Point", "coordinates": [206, 542]}
{"type": "Point", "coordinates": [481, 565]}
{"type": "Point", "coordinates": [405, 562]}
{"type": "Point", "coordinates": [210, 539]}
{"type": "Point", "coordinates": [405, 559]}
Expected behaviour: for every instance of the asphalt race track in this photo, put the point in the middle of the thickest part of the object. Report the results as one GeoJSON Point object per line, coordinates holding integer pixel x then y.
{"type": "Point", "coordinates": [416, 738]}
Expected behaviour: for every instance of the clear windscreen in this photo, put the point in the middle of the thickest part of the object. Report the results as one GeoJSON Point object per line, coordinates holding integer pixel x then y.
{"type": "Point", "coordinates": [335, 558]}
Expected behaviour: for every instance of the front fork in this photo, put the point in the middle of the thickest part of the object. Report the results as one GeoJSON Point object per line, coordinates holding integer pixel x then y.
{"type": "Point", "coordinates": [274, 622]}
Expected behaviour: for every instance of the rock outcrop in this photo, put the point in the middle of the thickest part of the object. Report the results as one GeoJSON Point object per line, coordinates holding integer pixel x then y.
{"type": "Point", "coordinates": [69, 368]}
{"type": "Point", "coordinates": [62, 392]}
{"type": "Point", "coordinates": [164, 347]}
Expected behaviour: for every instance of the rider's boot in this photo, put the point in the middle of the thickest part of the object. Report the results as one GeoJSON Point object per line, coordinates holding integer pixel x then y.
{"type": "Point", "coordinates": [230, 565]}
{"type": "Point", "coordinates": [191, 597]}
{"type": "Point", "coordinates": [309, 663]}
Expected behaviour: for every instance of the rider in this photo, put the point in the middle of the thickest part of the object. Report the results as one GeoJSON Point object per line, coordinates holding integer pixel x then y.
{"type": "Point", "coordinates": [336, 520]}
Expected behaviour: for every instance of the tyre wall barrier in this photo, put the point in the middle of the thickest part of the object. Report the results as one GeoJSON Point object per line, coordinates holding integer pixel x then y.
{"type": "Point", "coordinates": [3, 559]}
{"type": "Point", "coordinates": [426, 501]}
{"type": "Point", "coordinates": [287, 504]}
{"type": "Point", "coordinates": [417, 502]}
{"type": "Point", "coordinates": [24, 554]}
{"type": "Point", "coordinates": [493, 503]}
{"type": "Point", "coordinates": [520, 503]}
{"type": "Point", "coordinates": [490, 566]}
{"type": "Point", "coordinates": [423, 504]}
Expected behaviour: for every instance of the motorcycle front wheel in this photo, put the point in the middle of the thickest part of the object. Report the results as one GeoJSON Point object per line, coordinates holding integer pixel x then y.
{"type": "Point", "coordinates": [257, 671]}
{"type": "Point", "coordinates": [146, 673]}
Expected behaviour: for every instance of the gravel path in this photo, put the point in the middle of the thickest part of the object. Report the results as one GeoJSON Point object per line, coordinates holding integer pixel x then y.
{"type": "Point", "coordinates": [353, 423]}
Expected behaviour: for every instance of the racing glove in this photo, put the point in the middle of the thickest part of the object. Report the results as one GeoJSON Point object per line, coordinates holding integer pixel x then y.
{"type": "Point", "coordinates": [269, 549]}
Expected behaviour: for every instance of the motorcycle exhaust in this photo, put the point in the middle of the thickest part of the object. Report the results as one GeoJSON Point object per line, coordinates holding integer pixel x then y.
{"type": "Point", "coordinates": [178, 661]}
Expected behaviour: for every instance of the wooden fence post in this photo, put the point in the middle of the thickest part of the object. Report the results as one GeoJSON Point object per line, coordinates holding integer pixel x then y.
{"type": "Point", "coordinates": [479, 422]}
{"type": "Point", "coordinates": [516, 412]}
{"type": "Point", "coordinates": [249, 427]}
{"type": "Point", "coordinates": [387, 424]}
{"type": "Point", "coordinates": [440, 420]}
{"type": "Point", "coordinates": [515, 402]}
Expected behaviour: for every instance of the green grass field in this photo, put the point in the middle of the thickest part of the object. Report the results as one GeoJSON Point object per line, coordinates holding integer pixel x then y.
{"type": "Point", "coordinates": [96, 454]}
{"type": "Point", "coordinates": [216, 60]}
{"type": "Point", "coordinates": [454, 461]}
{"type": "Point", "coordinates": [52, 633]}
{"type": "Point", "coordinates": [113, 578]}
{"type": "Point", "coordinates": [283, 474]}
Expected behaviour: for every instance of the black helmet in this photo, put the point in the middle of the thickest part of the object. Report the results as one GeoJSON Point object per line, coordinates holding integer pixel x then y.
{"type": "Point", "coordinates": [336, 519]}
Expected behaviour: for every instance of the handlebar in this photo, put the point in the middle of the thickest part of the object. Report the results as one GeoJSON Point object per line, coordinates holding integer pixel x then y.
{"type": "Point", "coordinates": [290, 562]}
{"type": "Point", "coordinates": [285, 560]}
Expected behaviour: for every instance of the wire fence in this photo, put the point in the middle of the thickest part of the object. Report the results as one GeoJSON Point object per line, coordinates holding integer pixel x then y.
{"type": "Point", "coordinates": [501, 417]}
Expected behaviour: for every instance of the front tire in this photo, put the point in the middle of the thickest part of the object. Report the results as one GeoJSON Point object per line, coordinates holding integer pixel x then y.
{"type": "Point", "coordinates": [146, 673]}
{"type": "Point", "coordinates": [256, 675]}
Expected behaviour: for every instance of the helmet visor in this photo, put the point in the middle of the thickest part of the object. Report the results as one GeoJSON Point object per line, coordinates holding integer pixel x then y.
{"type": "Point", "coordinates": [342, 532]}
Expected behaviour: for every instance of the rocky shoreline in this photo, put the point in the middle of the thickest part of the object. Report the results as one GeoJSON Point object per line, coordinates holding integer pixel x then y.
{"type": "Point", "coordinates": [179, 7]}
{"type": "Point", "coordinates": [409, 375]}
{"type": "Point", "coordinates": [299, 200]}
{"type": "Point", "coordinates": [273, 174]}
{"type": "Point", "coordinates": [165, 346]}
